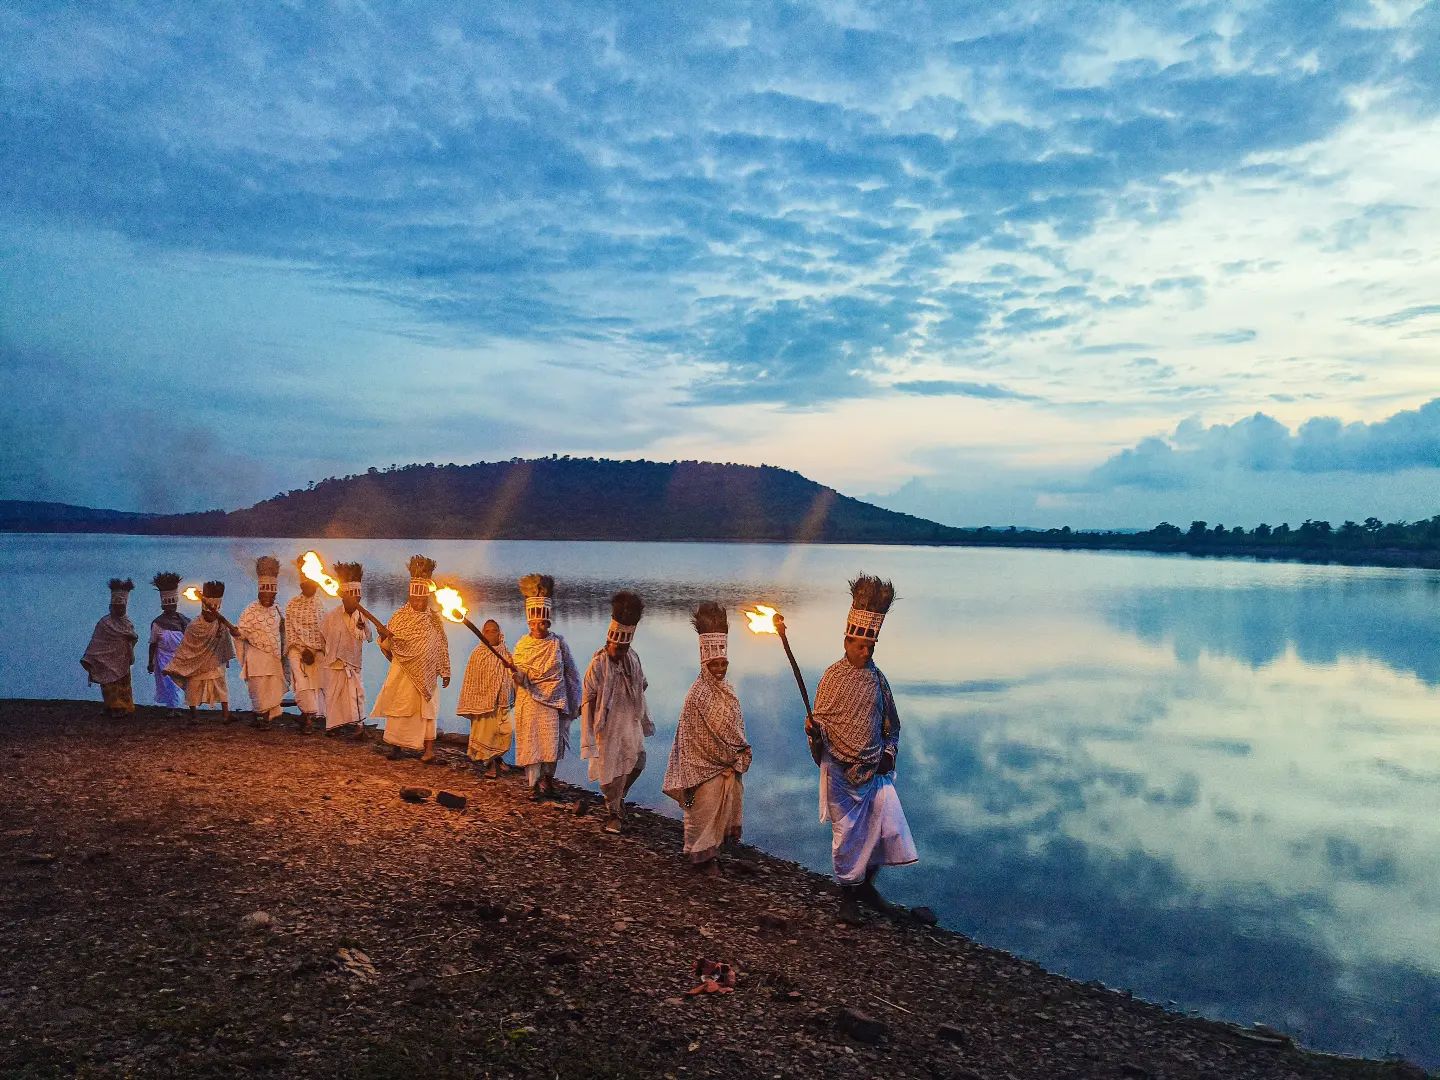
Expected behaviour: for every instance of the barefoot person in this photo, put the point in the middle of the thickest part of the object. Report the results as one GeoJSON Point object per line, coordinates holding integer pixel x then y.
{"type": "Point", "coordinates": [260, 630]}
{"type": "Point", "coordinates": [419, 656]}
{"type": "Point", "coordinates": [547, 690]}
{"type": "Point", "coordinates": [166, 632]}
{"type": "Point", "coordinates": [111, 652]}
{"type": "Point", "coordinates": [485, 699]}
{"type": "Point", "coordinates": [345, 631]}
{"type": "Point", "coordinates": [304, 647]}
{"type": "Point", "coordinates": [711, 752]}
{"type": "Point", "coordinates": [205, 652]}
{"type": "Point", "coordinates": [854, 737]}
{"type": "Point", "coordinates": [614, 719]}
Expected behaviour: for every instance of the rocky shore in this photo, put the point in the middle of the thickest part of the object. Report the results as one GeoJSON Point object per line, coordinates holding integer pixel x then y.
{"type": "Point", "coordinates": [215, 901]}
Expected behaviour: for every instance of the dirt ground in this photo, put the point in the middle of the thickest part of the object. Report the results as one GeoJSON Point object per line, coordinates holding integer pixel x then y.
{"type": "Point", "coordinates": [213, 900]}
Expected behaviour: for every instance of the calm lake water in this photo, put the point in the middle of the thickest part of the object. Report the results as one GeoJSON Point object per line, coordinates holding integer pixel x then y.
{"type": "Point", "coordinates": [1213, 783]}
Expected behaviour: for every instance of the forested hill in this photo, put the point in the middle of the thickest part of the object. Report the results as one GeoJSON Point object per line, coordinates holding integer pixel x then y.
{"type": "Point", "coordinates": [569, 499]}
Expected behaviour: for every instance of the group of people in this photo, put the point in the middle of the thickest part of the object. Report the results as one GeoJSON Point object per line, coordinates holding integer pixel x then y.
{"type": "Point", "coordinates": [530, 696]}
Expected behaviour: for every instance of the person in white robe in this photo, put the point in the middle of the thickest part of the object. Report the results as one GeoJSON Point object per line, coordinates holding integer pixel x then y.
{"type": "Point", "coordinates": [854, 734]}
{"type": "Point", "coordinates": [419, 656]}
{"type": "Point", "coordinates": [304, 652]}
{"type": "Point", "coordinates": [199, 664]}
{"type": "Point", "coordinates": [167, 630]}
{"type": "Point", "coordinates": [547, 688]}
{"type": "Point", "coordinates": [345, 630]}
{"type": "Point", "coordinates": [111, 652]}
{"type": "Point", "coordinates": [711, 753]}
{"type": "Point", "coordinates": [486, 697]}
{"type": "Point", "coordinates": [614, 717]}
{"type": "Point", "coordinates": [260, 631]}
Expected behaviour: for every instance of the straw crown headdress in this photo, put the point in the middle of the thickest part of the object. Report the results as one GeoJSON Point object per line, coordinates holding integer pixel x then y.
{"type": "Point", "coordinates": [267, 569]}
{"type": "Point", "coordinates": [539, 592]}
{"type": "Point", "coordinates": [349, 574]}
{"type": "Point", "coordinates": [870, 599]}
{"type": "Point", "coordinates": [213, 590]}
{"type": "Point", "coordinates": [626, 609]}
{"type": "Point", "coordinates": [713, 626]}
{"type": "Point", "coordinates": [421, 571]}
{"type": "Point", "coordinates": [120, 590]}
{"type": "Point", "coordinates": [169, 586]}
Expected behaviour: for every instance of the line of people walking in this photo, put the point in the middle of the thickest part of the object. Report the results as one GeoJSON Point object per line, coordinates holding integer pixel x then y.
{"type": "Point", "coordinates": [530, 696]}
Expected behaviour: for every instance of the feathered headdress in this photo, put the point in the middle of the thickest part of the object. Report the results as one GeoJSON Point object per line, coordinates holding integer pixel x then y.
{"type": "Point", "coordinates": [213, 590]}
{"type": "Point", "coordinates": [626, 609]}
{"type": "Point", "coordinates": [539, 592]}
{"type": "Point", "coordinates": [421, 571]}
{"type": "Point", "coordinates": [349, 574]}
{"type": "Point", "coordinates": [713, 626]}
{"type": "Point", "coordinates": [870, 599]}
{"type": "Point", "coordinates": [169, 586]}
{"type": "Point", "coordinates": [120, 590]}
{"type": "Point", "coordinates": [267, 569]}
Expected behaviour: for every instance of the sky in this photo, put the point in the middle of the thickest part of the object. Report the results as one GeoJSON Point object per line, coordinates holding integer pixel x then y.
{"type": "Point", "coordinates": [1097, 264]}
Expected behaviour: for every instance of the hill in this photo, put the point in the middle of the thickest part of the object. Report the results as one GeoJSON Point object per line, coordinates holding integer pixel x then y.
{"type": "Point", "coordinates": [23, 516]}
{"type": "Point", "coordinates": [560, 498]}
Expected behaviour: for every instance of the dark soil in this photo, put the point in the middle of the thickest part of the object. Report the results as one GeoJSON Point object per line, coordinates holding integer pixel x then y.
{"type": "Point", "coordinates": [217, 901]}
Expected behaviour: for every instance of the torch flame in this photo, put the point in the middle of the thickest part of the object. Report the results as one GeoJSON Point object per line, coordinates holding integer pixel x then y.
{"type": "Point", "coordinates": [451, 604]}
{"type": "Point", "coordinates": [192, 594]}
{"type": "Point", "coordinates": [314, 569]}
{"type": "Point", "coordinates": [762, 619]}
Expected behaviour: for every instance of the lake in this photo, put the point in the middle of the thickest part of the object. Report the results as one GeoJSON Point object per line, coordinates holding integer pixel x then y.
{"type": "Point", "coordinates": [1215, 783]}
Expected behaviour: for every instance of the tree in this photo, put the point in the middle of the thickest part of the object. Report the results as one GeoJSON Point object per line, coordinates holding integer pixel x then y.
{"type": "Point", "coordinates": [1197, 530]}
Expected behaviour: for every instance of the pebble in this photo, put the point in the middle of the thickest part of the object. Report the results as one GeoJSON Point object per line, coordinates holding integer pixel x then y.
{"type": "Point", "coordinates": [860, 1026]}
{"type": "Point", "coordinates": [451, 801]}
{"type": "Point", "coordinates": [415, 794]}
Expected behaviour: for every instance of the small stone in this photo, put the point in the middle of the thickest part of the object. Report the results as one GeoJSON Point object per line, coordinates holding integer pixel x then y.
{"type": "Point", "coordinates": [774, 922]}
{"type": "Point", "coordinates": [562, 956]}
{"type": "Point", "coordinates": [924, 916]}
{"type": "Point", "coordinates": [451, 801]}
{"type": "Point", "coordinates": [257, 920]}
{"type": "Point", "coordinates": [951, 1033]}
{"type": "Point", "coordinates": [860, 1026]}
{"type": "Point", "coordinates": [415, 794]}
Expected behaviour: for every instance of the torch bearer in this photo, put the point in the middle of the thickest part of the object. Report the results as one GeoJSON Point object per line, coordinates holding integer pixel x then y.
{"type": "Point", "coordinates": [193, 595]}
{"type": "Point", "coordinates": [452, 607]}
{"type": "Point", "coordinates": [314, 569]}
{"type": "Point", "coordinates": [766, 620]}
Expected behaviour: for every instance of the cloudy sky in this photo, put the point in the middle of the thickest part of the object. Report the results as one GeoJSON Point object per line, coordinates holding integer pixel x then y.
{"type": "Point", "coordinates": [1086, 263]}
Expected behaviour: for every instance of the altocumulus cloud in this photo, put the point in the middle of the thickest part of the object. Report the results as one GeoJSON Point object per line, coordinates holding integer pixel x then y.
{"type": "Point", "coordinates": [772, 197]}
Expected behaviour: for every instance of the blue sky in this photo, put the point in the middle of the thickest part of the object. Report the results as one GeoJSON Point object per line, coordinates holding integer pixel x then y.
{"type": "Point", "coordinates": [1086, 263]}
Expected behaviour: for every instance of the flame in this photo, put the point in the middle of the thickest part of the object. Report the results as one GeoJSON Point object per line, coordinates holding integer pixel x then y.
{"type": "Point", "coordinates": [192, 594]}
{"type": "Point", "coordinates": [452, 605]}
{"type": "Point", "coordinates": [314, 569]}
{"type": "Point", "coordinates": [762, 619]}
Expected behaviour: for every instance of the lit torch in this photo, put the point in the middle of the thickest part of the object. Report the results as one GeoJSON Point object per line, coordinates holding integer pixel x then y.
{"type": "Point", "coordinates": [766, 620]}
{"type": "Point", "coordinates": [452, 607]}
{"type": "Point", "coordinates": [193, 595]}
{"type": "Point", "coordinates": [312, 568]}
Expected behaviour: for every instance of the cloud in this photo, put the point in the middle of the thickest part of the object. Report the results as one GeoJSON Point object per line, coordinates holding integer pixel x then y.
{"type": "Point", "coordinates": [960, 388]}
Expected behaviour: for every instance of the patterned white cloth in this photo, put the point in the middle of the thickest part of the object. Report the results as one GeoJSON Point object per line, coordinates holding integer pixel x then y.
{"type": "Point", "coordinates": [709, 739]}
{"type": "Point", "coordinates": [206, 647]}
{"type": "Point", "coordinates": [166, 641]}
{"type": "Point", "coordinates": [259, 628]}
{"type": "Point", "coordinates": [546, 700]}
{"type": "Point", "coordinates": [867, 822]}
{"type": "Point", "coordinates": [345, 637]}
{"type": "Point", "coordinates": [614, 718]}
{"type": "Point", "coordinates": [488, 685]}
{"type": "Point", "coordinates": [856, 713]}
{"type": "Point", "coordinates": [418, 644]}
{"type": "Point", "coordinates": [111, 652]}
{"type": "Point", "coordinates": [303, 615]}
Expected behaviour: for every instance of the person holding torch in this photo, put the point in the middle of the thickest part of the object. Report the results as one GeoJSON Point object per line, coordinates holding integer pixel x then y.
{"type": "Point", "coordinates": [419, 655]}
{"type": "Point", "coordinates": [854, 734]}
{"type": "Point", "coordinates": [345, 631]}
{"type": "Point", "coordinates": [205, 652]}
{"type": "Point", "coordinates": [304, 645]}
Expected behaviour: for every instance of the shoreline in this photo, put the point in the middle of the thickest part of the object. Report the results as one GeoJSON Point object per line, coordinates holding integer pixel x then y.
{"type": "Point", "coordinates": [189, 901]}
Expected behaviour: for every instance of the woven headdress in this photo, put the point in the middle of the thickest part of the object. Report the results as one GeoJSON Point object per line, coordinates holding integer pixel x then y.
{"type": "Point", "coordinates": [713, 626]}
{"type": "Point", "coordinates": [120, 590]}
{"type": "Point", "coordinates": [169, 586]}
{"type": "Point", "coordinates": [349, 574]}
{"type": "Point", "coordinates": [626, 608]}
{"type": "Point", "coordinates": [267, 569]}
{"type": "Point", "coordinates": [539, 592]}
{"type": "Point", "coordinates": [870, 599]}
{"type": "Point", "coordinates": [421, 571]}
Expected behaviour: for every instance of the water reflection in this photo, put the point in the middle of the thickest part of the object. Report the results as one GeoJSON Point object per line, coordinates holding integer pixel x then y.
{"type": "Point", "coordinates": [1209, 782]}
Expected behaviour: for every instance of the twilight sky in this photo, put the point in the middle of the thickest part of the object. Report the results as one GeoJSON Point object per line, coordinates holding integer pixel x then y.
{"type": "Point", "coordinates": [1044, 263]}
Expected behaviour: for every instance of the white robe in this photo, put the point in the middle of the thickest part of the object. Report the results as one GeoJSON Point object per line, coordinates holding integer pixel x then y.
{"type": "Point", "coordinates": [262, 670]}
{"type": "Point", "coordinates": [345, 637]}
{"type": "Point", "coordinates": [867, 821]}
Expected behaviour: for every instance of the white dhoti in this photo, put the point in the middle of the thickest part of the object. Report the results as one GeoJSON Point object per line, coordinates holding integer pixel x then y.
{"type": "Point", "coordinates": [540, 734]}
{"type": "Point", "coordinates": [713, 816]}
{"type": "Point", "coordinates": [167, 691]}
{"type": "Point", "coordinates": [868, 823]}
{"type": "Point", "coordinates": [409, 718]}
{"type": "Point", "coordinates": [344, 696]}
{"type": "Point", "coordinates": [266, 693]}
{"type": "Point", "coordinates": [307, 680]}
{"type": "Point", "coordinates": [208, 688]}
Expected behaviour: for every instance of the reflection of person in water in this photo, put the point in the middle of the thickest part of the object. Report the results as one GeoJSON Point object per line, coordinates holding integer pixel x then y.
{"type": "Point", "coordinates": [854, 737]}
